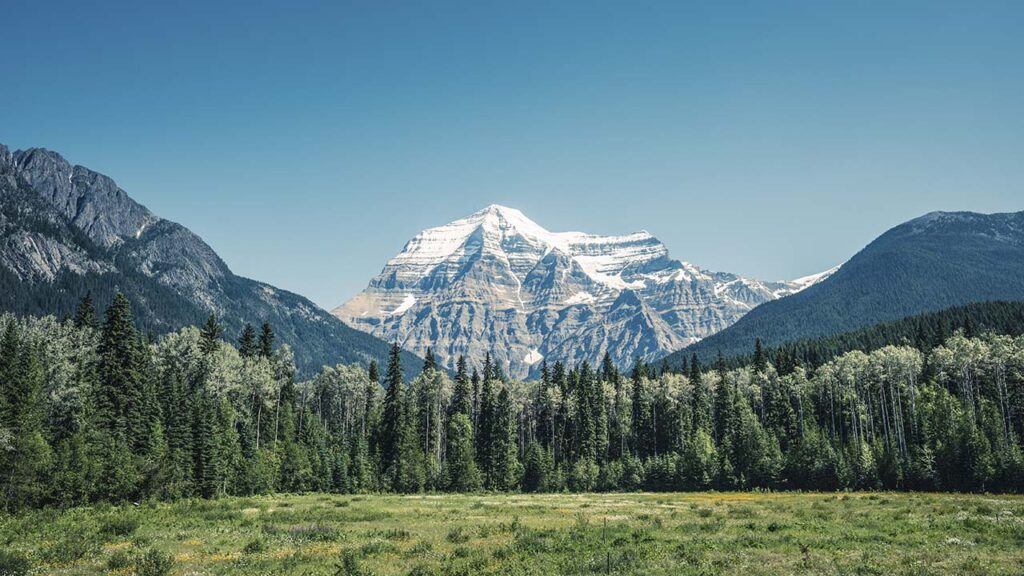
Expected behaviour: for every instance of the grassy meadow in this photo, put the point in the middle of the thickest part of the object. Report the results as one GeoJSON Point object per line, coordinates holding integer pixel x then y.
{"type": "Point", "coordinates": [677, 533]}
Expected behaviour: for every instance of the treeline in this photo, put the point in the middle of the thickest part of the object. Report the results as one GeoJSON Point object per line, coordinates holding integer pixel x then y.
{"type": "Point", "coordinates": [922, 331]}
{"type": "Point", "coordinates": [93, 411]}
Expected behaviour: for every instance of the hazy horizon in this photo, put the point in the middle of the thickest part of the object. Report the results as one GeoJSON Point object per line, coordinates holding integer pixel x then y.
{"type": "Point", "coordinates": [307, 146]}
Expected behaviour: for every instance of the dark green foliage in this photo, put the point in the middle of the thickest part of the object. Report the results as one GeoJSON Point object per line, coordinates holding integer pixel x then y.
{"type": "Point", "coordinates": [247, 342]}
{"type": "Point", "coordinates": [13, 564]}
{"type": "Point", "coordinates": [463, 475]}
{"type": "Point", "coordinates": [266, 345]}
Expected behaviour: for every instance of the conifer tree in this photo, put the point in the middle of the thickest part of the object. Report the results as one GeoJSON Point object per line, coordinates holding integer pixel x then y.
{"type": "Point", "coordinates": [211, 333]}
{"type": "Point", "coordinates": [475, 417]}
{"type": "Point", "coordinates": [85, 314]}
{"type": "Point", "coordinates": [462, 395]}
{"type": "Point", "coordinates": [461, 470]}
{"type": "Point", "coordinates": [760, 360]}
{"type": "Point", "coordinates": [429, 361]}
{"type": "Point", "coordinates": [119, 397]}
{"type": "Point", "coordinates": [701, 400]}
{"type": "Point", "coordinates": [266, 344]}
{"type": "Point", "coordinates": [373, 373]}
{"type": "Point", "coordinates": [393, 418]}
{"type": "Point", "coordinates": [506, 469]}
{"type": "Point", "coordinates": [485, 433]}
{"type": "Point", "coordinates": [247, 342]}
{"type": "Point", "coordinates": [535, 469]}
{"type": "Point", "coordinates": [27, 460]}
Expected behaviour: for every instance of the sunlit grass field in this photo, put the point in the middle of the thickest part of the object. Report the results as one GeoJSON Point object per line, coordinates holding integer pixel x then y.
{"type": "Point", "coordinates": [702, 533]}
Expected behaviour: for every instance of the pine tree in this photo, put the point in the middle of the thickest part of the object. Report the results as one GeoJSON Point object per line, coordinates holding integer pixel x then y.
{"type": "Point", "coordinates": [85, 314]}
{"type": "Point", "coordinates": [475, 417]}
{"type": "Point", "coordinates": [462, 395]}
{"type": "Point", "coordinates": [506, 469]}
{"type": "Point", "coordinates": [429, 361]}
{"type": "Point", "coordinates": [211, 334]}
{"type": "Point", "coordinates": [609, 373]}
{"type": "Point", "coordinates": [119, 403]}
{"type": "Point", "coordinates": [26, 462]}
{"type": "Point", "coordinates": [393, 420]}
{"type": "Point", "coordinates": [247, 342]}
{"type": "Point", "coordinates": [760, 360]}
{"type": "Point", "coordinates": [700, 400]}
{"type": "Point", "coordinates": [640, 412]}
{"type": "Point", "coordinates": [266, 344]}
{"type": "Point", "coordinates": [485, 433]}
{"type": "Point", "coordinates": [461, 471]}
{"type": "Point", "coordinates": [586, 437]}
{"type": "Point", "coordinates": [373, 372]}
{"type": "Point", "coordinates": [535, 469]}
{"type": "Point", "coordinates": [411, 471]}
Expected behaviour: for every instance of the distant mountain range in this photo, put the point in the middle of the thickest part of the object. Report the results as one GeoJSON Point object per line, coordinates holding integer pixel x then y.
{"type": "Point", "coordinates": [66, 230]}
{"type": "Point", "coordinates": [492, 282]}
{"type": "Point", "coordinates": [939, 260]}
{"type": "Point", "coordinates": [496, 282]}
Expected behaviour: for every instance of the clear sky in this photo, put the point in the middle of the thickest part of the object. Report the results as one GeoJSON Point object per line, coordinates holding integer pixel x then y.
{"type": "Point", "coordinates": [307, 142]}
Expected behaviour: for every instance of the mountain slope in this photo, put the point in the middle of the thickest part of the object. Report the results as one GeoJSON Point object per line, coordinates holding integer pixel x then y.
{"type": "Point", "coordinates": [497, 282]}
{"type": "Point", "coordinates": [937, 261]}
{"type": "Point", "coordinates": [66, 230]}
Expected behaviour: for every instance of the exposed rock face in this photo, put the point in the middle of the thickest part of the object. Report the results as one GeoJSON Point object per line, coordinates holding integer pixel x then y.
{"type": "Point", "coordinates": [497, 282]}
{"type": "Point", "coordinates": [66, 230]}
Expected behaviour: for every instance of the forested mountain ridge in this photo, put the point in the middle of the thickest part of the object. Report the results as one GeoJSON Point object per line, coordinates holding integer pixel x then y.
{"type": "Point", "coordinates": [939, 260]}
{"type": "Point", "coordinates": [66, 231]}
{"type": "Point", "coordinates": [922, 331]}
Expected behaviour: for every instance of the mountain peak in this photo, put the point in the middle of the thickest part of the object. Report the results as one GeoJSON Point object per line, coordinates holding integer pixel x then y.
{"type": "Point", "coordinates": [496, 281]}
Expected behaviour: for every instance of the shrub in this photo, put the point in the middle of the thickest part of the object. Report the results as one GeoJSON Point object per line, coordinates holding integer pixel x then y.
{"type": "Point", "coordinates": [13, 564]}
{"type": "Point", "coordinates": [254, 546]}
{"type": "Point", "coordinates": [349, 565]}
{"type": "Point", "coordinates": [458, 536]}
{"type": "Point", "coordinates": [119, 560]}
{"type": "Point", "coordinates": [154, 563]}
{"type": "Point", "coordinates": [119, 525]}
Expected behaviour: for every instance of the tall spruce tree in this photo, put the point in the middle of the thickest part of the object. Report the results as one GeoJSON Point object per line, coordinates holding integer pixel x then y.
{"type": "Point", "coordinates": [247, 342]}
{"type": "Point", "coordinates": [393, 419]}
{"type": "Point", "coordinates": [266, 344]}
{"type": "Point", "coordinates": [119, 401]}
{"type": "Point", "coordinates": [211, 333]}
{"type": "Point", "coordinates": [700, 399]}
{"type": "Point", "coordinates": [85, 314]}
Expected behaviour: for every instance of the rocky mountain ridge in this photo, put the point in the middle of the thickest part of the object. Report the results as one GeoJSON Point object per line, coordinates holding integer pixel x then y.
{"type": "Point", "coordinates": [66, 230]}
{"type": "Point", "coordinates": [497, 282]}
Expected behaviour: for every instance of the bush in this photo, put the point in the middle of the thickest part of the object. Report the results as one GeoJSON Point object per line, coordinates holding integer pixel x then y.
{"type": "Point", "coordinates": [349, 565]}
{"type": "Point", "coordinates": [154, 563]}
{"type": "Point", "coordinates": [120, 525]}
{"type": "Point", "coordinates": [254, 546]}
{"type": "Point", "coordinates": [13, 564]}
{"type": "Point", "coordinates": [119, 560]}
{"type": "Point", "coordinates": [457, 535]}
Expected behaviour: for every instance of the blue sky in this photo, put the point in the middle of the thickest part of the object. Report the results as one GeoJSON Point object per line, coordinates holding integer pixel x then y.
{"type": "Point", "coordinates": [306, 142]}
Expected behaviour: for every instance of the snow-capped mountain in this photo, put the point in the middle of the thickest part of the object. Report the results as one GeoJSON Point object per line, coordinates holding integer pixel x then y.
{"type": "Point", "coordinates": [498, 282]}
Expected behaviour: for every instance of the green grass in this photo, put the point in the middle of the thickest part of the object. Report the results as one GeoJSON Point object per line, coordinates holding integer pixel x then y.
{"type": "Point", "coordinates": [705, 533]}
